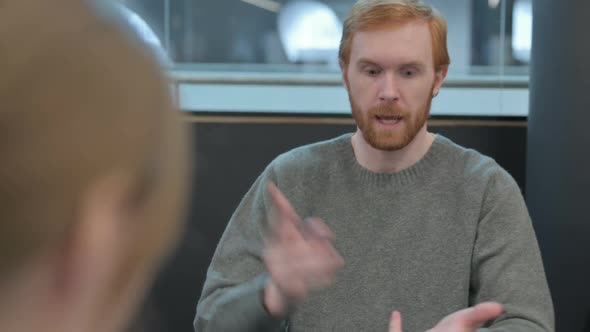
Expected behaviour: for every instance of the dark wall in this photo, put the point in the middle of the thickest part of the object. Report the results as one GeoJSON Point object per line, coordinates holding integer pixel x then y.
{"type": "Point", "coordinates": [231, 156]}
{"type": "Point", "coordinates": [557, 174]}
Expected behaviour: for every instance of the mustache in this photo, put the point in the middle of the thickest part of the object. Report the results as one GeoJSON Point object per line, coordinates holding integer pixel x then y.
{"type": "Point", "coordinates": [386, 110]}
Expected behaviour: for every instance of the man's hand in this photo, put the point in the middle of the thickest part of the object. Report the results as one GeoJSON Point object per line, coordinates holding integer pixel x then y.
{"type": "Point", "coordinates": [299, 256]}
{"type": "Point", "coordinates": [466, 320]}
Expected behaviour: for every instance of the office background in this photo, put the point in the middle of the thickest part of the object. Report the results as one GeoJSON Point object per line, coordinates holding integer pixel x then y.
{"type": "Point", "coordinates": [253, 81]}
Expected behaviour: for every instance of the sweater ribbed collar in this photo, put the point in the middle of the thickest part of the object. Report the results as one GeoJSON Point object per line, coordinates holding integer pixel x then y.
{"type": "Point", "coordinates": [404, 177]}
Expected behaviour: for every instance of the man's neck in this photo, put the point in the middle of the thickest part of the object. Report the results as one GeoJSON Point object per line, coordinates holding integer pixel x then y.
{"type": "Point", "coordinates": [391, 161]}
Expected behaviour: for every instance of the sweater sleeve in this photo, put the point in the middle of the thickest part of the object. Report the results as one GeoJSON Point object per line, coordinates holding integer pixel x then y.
{"type": "Point", "coordinates": [506, 262]}
{"type": "Point", "coordinates": [232, 294]}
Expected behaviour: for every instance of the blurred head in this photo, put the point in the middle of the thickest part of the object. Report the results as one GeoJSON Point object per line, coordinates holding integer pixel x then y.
{"type": "Point", "coordinates": [94, 165]}
{"type": "Point", "coordinates": [394, 58]}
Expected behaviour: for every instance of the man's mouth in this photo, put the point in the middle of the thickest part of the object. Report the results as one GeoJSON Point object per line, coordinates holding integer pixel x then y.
{"type": "Point", "coordinates": [389, 120]}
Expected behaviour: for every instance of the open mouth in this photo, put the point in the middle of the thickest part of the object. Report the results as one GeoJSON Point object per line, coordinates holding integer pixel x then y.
{"type": "Point", "coordinates": [389, 120]}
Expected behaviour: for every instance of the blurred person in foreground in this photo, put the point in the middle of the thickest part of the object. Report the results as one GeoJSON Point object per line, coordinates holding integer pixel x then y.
{"type": "Point", "coordinates": [402, 220]}
{"type": "Point", "coordinates": [94, 165]}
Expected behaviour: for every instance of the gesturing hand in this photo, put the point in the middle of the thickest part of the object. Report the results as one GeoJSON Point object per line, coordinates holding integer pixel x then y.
{"type": "Point", "coordinates": [299, 256]}
{"type": "Point", "coordinates": [466, 320]}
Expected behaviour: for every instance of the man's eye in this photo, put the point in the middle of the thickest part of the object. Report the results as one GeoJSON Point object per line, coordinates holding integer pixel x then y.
{"type": "Point", "coordinates": [372, 72]}
{"type": "Point", "coordinates": [408, 72]}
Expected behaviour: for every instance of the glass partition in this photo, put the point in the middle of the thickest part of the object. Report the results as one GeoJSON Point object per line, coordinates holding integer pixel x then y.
{"type": "Point", "coordinates": [295, 42]}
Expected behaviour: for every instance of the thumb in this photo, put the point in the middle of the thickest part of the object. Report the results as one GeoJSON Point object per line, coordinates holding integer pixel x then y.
{"type": "Point", "coordinates": [476, 316]}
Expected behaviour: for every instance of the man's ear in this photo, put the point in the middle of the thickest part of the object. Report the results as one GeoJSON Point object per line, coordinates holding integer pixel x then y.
{"type": "Point", "coordinates": [439, 77]}
{"type": "Point", "coordinates": [343, 70]}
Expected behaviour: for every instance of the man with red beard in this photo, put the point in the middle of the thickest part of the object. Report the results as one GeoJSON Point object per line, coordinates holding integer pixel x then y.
{"type": "Point", "coordinates": [412, 222]}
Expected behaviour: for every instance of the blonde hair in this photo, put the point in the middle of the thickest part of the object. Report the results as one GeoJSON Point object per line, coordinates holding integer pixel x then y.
{"type": "Point", "coordinates": [79, 100]}
{"type": "Point", "coordinates": [370, 14]}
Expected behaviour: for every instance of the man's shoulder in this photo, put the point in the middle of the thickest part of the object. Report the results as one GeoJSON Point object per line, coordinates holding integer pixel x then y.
{"type": "Point", "coordinates": [472, 164]}
{"type": "Point", "coordinates": [313, 154]}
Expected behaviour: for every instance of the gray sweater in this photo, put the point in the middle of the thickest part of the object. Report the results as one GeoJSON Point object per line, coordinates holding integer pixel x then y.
{"type": "Point", "coordinates": [448, 232]}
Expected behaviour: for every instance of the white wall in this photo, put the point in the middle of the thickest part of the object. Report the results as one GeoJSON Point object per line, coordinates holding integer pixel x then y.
{"type": "Point", "coordinates": [309, 99]}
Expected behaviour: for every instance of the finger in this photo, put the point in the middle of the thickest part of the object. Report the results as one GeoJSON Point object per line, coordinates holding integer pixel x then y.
{"type": "Point", "coordinates": [317, 228]}
{"type": "Point", "coordinates": [324, 252]}
{"type": "Point", "coordinates": [280, 202]}
{"type": "Point", "coordinates": [318, 264]}
{"type": "Point", "coordinates": [320, 273]}
{"type": "Point", "coordinates": [285, 222]}
{"type": "Point", "coordinates": [395, 322]}
{"type": "Point", "coordinates": [314, 267]}
{"type": "Point", "coordinates": [324, 248]}
{"type": "Point", "coordinates": [478, 315]}
{"type": "Point", "coordinates": [300, 258]}
{"type": "Point", "coordinates": [286, 231]}
{"type": "Point", "coordinates": [282, 233]}
{"type": "Point", "coordinates": [301, 276]}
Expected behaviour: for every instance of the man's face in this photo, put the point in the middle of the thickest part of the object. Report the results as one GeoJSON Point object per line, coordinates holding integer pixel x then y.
{"type": "Point", "coordinates": [391, 81]}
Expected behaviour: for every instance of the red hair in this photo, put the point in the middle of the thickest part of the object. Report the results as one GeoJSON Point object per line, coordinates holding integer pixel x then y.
{"type": "Point", "coordinates": [370, 14]}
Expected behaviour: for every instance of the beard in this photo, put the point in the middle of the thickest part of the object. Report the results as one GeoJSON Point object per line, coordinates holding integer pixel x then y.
{"type": "Point", "coordinates": [390, 139]}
